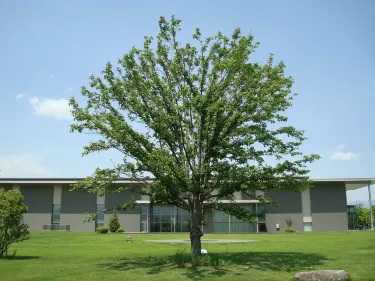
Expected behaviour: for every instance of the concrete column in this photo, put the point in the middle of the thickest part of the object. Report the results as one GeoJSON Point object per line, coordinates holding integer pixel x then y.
{"type": "Point", "coordinates": [237, 195]}
{"type": "Point", "coordinates": [57, 191]}
{"type": "Point", "coordinates": [306, 206]}
{"type": "Point", "coordinates": [100, 199]}
{"type": "Point", "coordinates": [370, 204]}
{"type": "Point", "coordinates": [259, 193]}
{"type": "Point", "coordinates": [16, 187]}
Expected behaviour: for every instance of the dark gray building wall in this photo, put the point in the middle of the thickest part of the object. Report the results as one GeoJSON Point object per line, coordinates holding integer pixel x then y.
{"type": "Point", "coordinates": [290, 205]}
{"type": "Point", "coordinates": [6, 187]}
{"type": "Point", "coordinates": [39, 200]}
{"type": "Point", "coordinates": [74, 205]}
{"type": "Point", "coordinates": [328, 207]}
{"type": "Point", "coordinates": [116, 199]}
{"type": "Point", "coordinates": [77, 201]}
{"type": "Point", "coordinates": [130, 219]}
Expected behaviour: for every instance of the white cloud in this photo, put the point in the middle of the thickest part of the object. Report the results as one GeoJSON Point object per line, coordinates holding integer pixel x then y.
{"type": "Point", "coordinates": [340, 147]}
{"type": "Point", "coordinates": [21, 95]}
{"type": "Point", "coordinates": [23, 165]}
{"type": "Point", "coordinates": [345, 156]}
{"type": "Point", "coordinates": [55, 108]}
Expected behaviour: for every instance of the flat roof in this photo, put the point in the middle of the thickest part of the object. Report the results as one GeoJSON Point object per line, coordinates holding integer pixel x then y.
{"type": "Point", "coordinates": [350, 183]}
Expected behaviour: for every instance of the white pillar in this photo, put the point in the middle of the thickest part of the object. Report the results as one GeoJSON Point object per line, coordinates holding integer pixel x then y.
{"type": "Point", "coordinates": [371, 215]}
{"type": "Point", "coordinates": [100, 199]}
{"type": "Point", "coordinates": [57, 191]}
{"type": "Point", "coordinates": [306, 206]}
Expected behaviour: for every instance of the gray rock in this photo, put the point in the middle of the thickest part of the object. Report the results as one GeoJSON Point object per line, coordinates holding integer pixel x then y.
{"type": "Point", "coordinates": [323, 275]}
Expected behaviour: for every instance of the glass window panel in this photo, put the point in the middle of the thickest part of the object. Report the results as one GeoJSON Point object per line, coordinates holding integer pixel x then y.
{"type": "Point", "coordinates": [144, 209]}
{"type": "Point", "coordinates": [261, 209]}
{"type": "Point", "coordinates": [56, 213]}
{"type": "Point", "coordinates": [56, 218]}
{"type": "Point", "coordinates": [220, 216]}
{"type": "Point", "coordinates": [185, 226]}
{"type": "Point", "coordinates": [249, 227]}
{"type": "Point", "coordinates": [100, 218]}
{"type": "Point", "coordinates": [166, 227]}
{"type": "Point", "coordinates": [307, 226]}
{"type": "Point", "coordinates": [56, 208]}
{"type": "Point", "coordinates": [237, 227]}
{"type": "Point", "coordinates": [144, 227]}
{"type": "Point", "coordinates": [221, 227]}
{"type": "Point", "coordinates": [100, 210]}
{"type": "Point", "coordinates": [155, 227]}
{"type": "Point", "coordinates": [166, 217]}
{"type": "Point", "coordinates": [156, 209]}
{"type": "Point", "coordinates": [143, 217]}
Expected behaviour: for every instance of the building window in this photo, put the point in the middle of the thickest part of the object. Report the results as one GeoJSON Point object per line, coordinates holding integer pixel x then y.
{"type": "Point", "coordinates": [144, 218]}
{"type": "Point", "coordinates": [352, 217]}
{"type": "Point", "coordinates": [223, 222]}
{"type": "Point", "coordinates": [307, 226]}
{"type": "Point", "coordinates": [169, 219]}
{"type": "Point", "coordinates": [100, 217]}
{"type": "Point", "coordinates": [56, 209]}
{"type": "Point", "coordinates": [261, 209]}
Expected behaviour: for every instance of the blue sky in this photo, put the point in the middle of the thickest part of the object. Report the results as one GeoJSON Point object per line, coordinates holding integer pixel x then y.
{"type": "Point", "coordinates": [48, 49]}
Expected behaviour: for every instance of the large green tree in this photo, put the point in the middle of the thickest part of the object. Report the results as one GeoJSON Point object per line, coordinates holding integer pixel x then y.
{"type": "Point", "coordinates": [201, 118]}
{"type": "Point", "coordinates": [12, 227]}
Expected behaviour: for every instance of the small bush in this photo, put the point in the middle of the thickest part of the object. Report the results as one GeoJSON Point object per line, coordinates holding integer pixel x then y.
{"type": "Point", "coordinates": [213, 259]}
{"type": "Point", "coordinates": [289, 229]}
{"type": "Point", "coordinates": [288, 222]}
{"type": "Point", "coordinates": [161, 260]}
{"type": "Point", "coordinates": [102, 229]}
{"type": "Point", "coordinates": [121, 229]}
{"type": "Point", "coordinates": [114, 223]}
{"type": "Point", "coordinates": [180, 258]}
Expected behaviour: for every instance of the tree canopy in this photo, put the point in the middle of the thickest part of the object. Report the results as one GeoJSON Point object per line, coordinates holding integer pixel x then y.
{"type": "Point", "coordinates": [202, 119]}
{"type": "Point", "coordinates": [12, 227]}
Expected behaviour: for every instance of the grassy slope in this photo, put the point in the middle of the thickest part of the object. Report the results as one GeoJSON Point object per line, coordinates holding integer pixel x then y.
{"type": "Point", "coordinates": [88, 256]}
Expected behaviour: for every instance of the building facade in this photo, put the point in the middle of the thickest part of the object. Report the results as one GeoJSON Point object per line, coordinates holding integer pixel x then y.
{"type": "Point", "coordinates": [53, 206]}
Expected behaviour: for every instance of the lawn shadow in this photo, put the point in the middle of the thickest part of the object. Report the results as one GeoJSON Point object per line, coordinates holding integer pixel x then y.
{"type": "Point", "coordinates": [20, 257]}
{"type": "Point", "coordinates": [274, 261]}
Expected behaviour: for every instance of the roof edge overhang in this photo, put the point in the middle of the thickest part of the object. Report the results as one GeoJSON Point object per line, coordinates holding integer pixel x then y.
{"type": "Point", "coordinates": [350, 183]}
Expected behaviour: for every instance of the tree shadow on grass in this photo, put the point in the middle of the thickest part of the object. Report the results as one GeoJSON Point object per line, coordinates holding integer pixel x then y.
{"type": "Point", "coordinates": [241, 261]}
{"type": "Point", "coordinates": [19, 257]}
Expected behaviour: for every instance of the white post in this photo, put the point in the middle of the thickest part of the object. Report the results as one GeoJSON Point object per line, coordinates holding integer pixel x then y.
{"type": "Point", "coordinates": [371, 215]}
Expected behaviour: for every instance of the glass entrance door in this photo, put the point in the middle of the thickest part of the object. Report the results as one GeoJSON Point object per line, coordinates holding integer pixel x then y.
{"type": "Point", "coordinates": [169, 219]}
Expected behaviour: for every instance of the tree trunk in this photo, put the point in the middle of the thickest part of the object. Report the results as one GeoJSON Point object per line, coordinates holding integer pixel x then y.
{"type": "Point", "coordinates": [196, 228]}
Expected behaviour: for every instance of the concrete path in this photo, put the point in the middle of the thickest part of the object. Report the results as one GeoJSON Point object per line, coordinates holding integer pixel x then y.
{"type": "Point", "coordinates": [203, 241]}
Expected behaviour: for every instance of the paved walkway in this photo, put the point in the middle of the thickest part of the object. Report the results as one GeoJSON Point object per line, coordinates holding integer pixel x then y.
{"type": "Point", "coordinates": [203, 241]}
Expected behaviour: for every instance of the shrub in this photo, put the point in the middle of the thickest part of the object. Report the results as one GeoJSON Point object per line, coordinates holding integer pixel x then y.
{"type": "Point", "coordinates": [288, 222]}
{"type": "Point", "coordinates": [114, 223]}
{"type": "Point", "coordinates": [289, 229]}
{"type": "Point", "coordinates": [102, 229]}
{"type": "Point", "coordinates": [12, 227]}
{"type": "Point", "coordinates": [121, 229]}
{"type": "Point", "coordinates": [180, 258]}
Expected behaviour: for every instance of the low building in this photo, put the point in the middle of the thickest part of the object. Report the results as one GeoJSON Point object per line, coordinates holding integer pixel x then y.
{"type": "Point", "coordinates": [52, 206]}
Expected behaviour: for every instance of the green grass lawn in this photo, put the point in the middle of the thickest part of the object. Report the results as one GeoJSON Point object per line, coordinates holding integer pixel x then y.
{"type": "Point", "coordinates": [89, 256]}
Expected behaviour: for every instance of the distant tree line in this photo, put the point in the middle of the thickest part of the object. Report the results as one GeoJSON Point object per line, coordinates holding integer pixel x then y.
{"type": "Point", "coordinates": [363, 216]}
